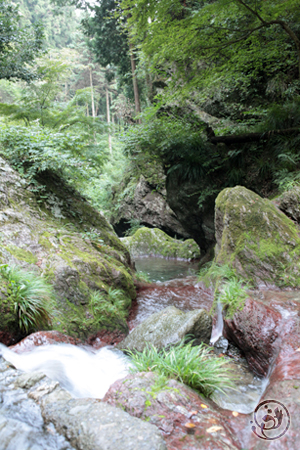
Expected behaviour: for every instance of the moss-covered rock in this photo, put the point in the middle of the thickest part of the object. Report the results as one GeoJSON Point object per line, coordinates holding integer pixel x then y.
{"type": "Point", "coordinates": [168, 327]}
{"type": "Point", "coordinates": [154, 242]}
{"type": "Point", "coordinates": [257, 239]}
{"type": "Point", "coordinates": [64, 239]}
{"type": "Point", "coordinates": [289, 203]}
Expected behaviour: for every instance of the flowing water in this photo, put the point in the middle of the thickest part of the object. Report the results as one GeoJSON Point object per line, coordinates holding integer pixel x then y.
{"type": "Point", "coordinates": [86, 372]}
{"type": "Point", "coordinates": [81, 371]}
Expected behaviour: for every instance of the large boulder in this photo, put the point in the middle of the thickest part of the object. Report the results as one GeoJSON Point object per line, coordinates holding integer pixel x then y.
{"type": "Point", "coordinates": [257, 239]}
{"type": "Point", "coordinates": [154, 242]}
{"type": "Point", "coordinates": [61, 237]}
{"type": "Point", "coordinates": [147, 204]}
{"type": "Point", "coordinates": [256, 331]}
{"type": "Point", "coordinates": [168, 327]}
{"type": "Point", "coordinates": [38, 413]}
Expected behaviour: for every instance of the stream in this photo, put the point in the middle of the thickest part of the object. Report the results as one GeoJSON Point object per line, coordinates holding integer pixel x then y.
{"type": "Point", "coordinates": [86, 372]}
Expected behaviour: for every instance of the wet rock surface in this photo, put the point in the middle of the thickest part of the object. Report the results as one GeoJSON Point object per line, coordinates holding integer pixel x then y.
{"type": "Point", "coordinates": [255, 330]}
{"type": "Point", "coordinates": [168, 327]}
{"type": "Point", "coordinates": [37, 413]}
{"type": "Point", "coordinates": [186, 420]}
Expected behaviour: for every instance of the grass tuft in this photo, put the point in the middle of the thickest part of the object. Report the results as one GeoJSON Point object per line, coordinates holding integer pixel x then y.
{"type": "Point", "coordinates": [195, 366]}
{"type": "Point", "coordinates": [32, 298]}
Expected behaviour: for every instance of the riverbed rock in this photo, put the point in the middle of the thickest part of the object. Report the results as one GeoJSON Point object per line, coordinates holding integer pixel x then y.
{"type": "Point", "coordinates": [187, 420]}
{"type": "Point", "coordinates": [168, 327]}
{"type": "Point", "coordinates": [62, 238]}
{"type": "Point", "coordinates": [44, 338]}
{"type": "Point", "coordinates": [38, 413]}
{"type": "Point", "coordinates": [147, 204]}
{"type": "Point", "coordinates": [256, 331]}
{"type": "Point", "coordinates": [257, 239]}
{"type": "Point", "coordinates": [154, 242]}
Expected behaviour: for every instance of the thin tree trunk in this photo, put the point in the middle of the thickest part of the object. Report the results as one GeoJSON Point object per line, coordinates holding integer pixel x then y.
{"type": "Point", "coordinates": [135, 84]}
{"type": "Point", "coordinates": [108, 121]}
{"type": "Point", "coordinates": [92, 93]}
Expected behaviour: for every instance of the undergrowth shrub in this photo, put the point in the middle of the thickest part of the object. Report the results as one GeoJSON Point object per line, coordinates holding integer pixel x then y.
{"type": "Point", "coordinates": [195, 366]}
{"type": "Point", "coordinates": [31, 296]}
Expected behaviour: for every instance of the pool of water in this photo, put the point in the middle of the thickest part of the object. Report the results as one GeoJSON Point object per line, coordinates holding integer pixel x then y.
{"type": "Point", "coordinates": [160, 269]}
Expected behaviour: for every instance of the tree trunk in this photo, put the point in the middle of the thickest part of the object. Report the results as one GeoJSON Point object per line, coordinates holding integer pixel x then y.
{"type": "Point", "coordinates": [108, 120]}
{"type": "Point", "coordinates": [92, 93]}
{"type": "Point", "coordinates": [135, 84]}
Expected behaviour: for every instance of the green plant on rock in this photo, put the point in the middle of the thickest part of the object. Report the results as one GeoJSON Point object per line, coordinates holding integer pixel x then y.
{"type": "Point", "coordinates": [229, 289]}
{"type": "Point", "coordinates": [134, 225]}
{"type": "Point", "coordinates": [195, 366]}
{"type": "Point", "coordinates": [32, 298]}
{"type": "Point", "coordinates": [142, 277]}
{"type": "Point", "coordinates": [104, 311]}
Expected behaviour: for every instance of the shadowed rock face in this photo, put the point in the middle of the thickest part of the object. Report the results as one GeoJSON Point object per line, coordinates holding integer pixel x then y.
{"type": "Point", "coordinates": [149, 206]}
{"type": "Point", "coordinates": [256, 238]}
{"type": "Point", "coordinates": [64, 239]}
{"type": "Point", "coordinates": [168, 327]}
{"type": "Point", "coordinates": [183, 196]}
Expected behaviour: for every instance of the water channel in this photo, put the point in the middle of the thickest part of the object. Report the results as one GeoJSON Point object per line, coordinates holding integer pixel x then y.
{"type": "Point", "coordinates": [86, 372]}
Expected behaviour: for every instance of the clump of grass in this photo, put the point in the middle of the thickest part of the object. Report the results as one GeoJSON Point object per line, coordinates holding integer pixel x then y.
{"type": "Point", "coordinates": [229, 288]}
{"type": "Point", "coordinates": [194, 366]}
{"type": "Point", "coordinates": [32, 298]}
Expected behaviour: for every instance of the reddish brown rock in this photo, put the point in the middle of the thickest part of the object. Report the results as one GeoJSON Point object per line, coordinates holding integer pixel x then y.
{"type": "Point", "coordinates": [186, 420]}
{"type": "Point", "coordinates": [256, 330]}
{"type": "Point", "coordinates": [43, 338]}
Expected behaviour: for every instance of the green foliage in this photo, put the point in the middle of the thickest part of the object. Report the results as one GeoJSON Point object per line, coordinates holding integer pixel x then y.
{"type": "Point", "coordinates": [32, 150]}
{"type": "Point", "coordinates": [178, 143]}
{"type": "Point", "coordinates": [229, 289]}
{"type": "Point", "coordinates": [32, 298]}
{"type": "Point", "coordinates": [225, 56]}
{"type": "Point", "coordinates": [195, 366]}
{"type": "Point", "coordinates": [134, 225]}
{"type": "Point", "coordinates": [18, 46]}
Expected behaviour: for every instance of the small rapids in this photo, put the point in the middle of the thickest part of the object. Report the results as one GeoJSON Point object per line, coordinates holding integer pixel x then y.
{"type": "Point", "coordinates": [81, 371]}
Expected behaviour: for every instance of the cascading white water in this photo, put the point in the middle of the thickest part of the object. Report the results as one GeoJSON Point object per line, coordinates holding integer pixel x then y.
{"type": "Point", "coordinates": [217, 331]}
{"type": "Point", "coordinates": [82, 372]}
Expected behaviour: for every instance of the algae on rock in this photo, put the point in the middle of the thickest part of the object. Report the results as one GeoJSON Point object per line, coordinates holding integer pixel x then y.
{"type": "Point", "coordinates": [257, 239]}
{"type": "Point", "coordinates": [78, 252]}
{"type": "Point", "coordinates": [154, 242]}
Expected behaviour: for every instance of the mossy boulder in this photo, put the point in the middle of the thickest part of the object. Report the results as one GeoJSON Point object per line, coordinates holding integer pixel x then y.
{"type": "Point", "coordinates": [62, 238]}
{"type": "Point", "coordinates": [257, 239]}
{"type": "Point", "coordinates": [168, 327]}
{"type": "Point", "coordinates": [154, 242]}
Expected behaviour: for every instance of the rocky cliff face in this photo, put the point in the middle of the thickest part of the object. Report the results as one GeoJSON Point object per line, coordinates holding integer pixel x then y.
{"type": "Point", "coordinates": [61, 237]}
{"type": "Point", "coordinates": [148, 206]}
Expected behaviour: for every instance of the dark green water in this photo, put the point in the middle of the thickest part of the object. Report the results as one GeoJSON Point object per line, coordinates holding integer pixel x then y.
{"type": "Point", "coordinates": [159, 269]}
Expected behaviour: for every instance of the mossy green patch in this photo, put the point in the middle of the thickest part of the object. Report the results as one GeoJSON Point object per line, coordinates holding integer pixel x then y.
{"type": "Point", "coordinates": [256, 238]}
{"type": "Point", "coordinates": [21, 254]}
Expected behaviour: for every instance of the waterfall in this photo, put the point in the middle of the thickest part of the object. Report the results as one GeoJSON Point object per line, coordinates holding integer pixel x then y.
{"type": "Point", "coordinates": [217, 331]}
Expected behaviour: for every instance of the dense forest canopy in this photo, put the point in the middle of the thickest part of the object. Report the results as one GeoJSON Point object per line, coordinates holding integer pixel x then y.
{"type": "Point", "coordinates": [173, 76]}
